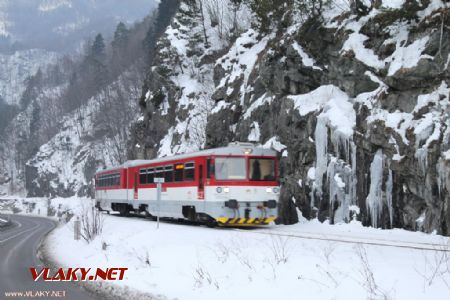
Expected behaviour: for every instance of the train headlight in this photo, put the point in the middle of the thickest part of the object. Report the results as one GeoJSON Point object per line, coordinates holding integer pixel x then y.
{"type": "Point", "coordinates": [274, 190]}
{"type": "Point", "coordinates": [226, 189]}
{"type": "Point", "coordinates": [219, 189]}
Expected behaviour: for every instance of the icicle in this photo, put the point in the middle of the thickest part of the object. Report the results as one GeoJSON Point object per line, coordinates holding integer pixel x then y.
{"type": "Point", "coordinates": [374, 202]}
{"type": "Point", "coordinates": [422, 158]}
{"type": "Point", "coordinates": [420, 220]}
{"type": "Point", "coordinates": [389, 196]}
{"type": "Point", "coordinates": [352, 188]}
{"type": "Point", "coordinates": [443, 176]}
{"type": "Point", "coordinates": [321, 138]}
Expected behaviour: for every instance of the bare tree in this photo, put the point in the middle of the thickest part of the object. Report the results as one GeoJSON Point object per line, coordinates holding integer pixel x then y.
{"type": "Point", "coordinates": [369, 283]}
{"type": "Point", "coordinates": [203, 23]}
{"type": "Point", "coordinates": [216, 13]}
{"type": "Point", "coordinates": [91, 223]}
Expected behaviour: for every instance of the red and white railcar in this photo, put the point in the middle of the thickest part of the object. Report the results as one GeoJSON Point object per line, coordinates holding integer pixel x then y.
{"type": "Point", "coordinates": [234, 185]}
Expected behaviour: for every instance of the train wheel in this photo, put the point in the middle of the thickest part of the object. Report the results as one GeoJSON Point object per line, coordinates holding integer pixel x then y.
{"type": "Point", "coordinates": [123, 211]}
{"type": "Point", "coordinates": [211, 223]}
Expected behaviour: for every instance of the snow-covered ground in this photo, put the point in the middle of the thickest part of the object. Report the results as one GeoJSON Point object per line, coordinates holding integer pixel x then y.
{"type": "Point", "coordinates": [308, 260]}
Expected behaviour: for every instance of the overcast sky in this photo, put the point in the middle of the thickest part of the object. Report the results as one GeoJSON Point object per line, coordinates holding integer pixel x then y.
{"type": "Point", "coordinates": [59, 25]}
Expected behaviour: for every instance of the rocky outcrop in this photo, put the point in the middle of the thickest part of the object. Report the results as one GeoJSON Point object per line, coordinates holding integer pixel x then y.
{"type": "Point", "coordinates": [356, 105]}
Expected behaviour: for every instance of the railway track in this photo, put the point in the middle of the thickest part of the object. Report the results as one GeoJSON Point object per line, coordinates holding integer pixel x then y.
{"type": "Point", "coordinates": [442, 247]}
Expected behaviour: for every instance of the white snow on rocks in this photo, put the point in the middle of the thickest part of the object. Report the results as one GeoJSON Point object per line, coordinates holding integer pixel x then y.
{"type": "Point", "coordinates": [434, 5]}
{"type": "Point", "coordinates": [337, 108]}
{"type": "Point", "coordinates": [306, 59]}
{"type": "Point", "coordinates": [264, 99]}
{"type": "Point", "coordinates": [254, 134]}
{"type": "Point", "coordinates": [393, 4]}
{"type": "Point", "coordinates": [447, 155]}
{"type": "Point", "coordinates": [242, 57]}
{"type": "Point", "coordinates": [407, 57]}
{"type": "Point", "coordinates": [355, 43]}
{"type": "Point", "coordinates": [426, 129]}
{"type": "Point", "coordinates": [274, 143]}
{"type": "Point", "coordinates": [406, 54]}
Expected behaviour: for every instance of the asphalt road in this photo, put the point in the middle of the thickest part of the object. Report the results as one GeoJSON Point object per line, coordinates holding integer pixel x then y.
{"type": "Point", "coordinates": [18, 252]}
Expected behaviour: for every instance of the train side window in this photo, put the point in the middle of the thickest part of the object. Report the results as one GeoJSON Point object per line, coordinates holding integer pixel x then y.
{"type": "Point", "coordinates": [168, 173]}
{"type": "Point", "coordinates": [178, 174]}
{"type": "Point", "coordinates": [150, 175]}
{"type": "Point", "coordinates": [159, 172]}
{"type": "Point", "coordinates": [189, 171]}
{"type": "Point", "coordinates": [142, 176]}
{"type": "Point", "coordinates": [209, 168]}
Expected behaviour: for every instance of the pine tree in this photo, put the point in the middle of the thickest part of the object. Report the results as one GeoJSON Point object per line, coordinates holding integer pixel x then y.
{"type": "Point", "coordinates": [97, 62]}
{"type": "Point", "coordinates": [121, 36]}
{"type": "Point", "coordinates": [33, 88]}
{"type": "Point", "coordinates": [166, 10]}
{"type": "Point", "coordinates": [269, 12]}
{"type": "Point", "coordinates": [98, 52]}
{"type": "Point", "coordinates": [120, 49]}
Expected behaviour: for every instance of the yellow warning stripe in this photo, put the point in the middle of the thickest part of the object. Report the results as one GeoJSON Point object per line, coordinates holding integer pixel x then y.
{"type": "Point", "coordinates": [244, 221]}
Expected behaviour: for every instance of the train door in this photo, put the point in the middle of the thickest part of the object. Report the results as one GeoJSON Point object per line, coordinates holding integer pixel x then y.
{"type": "Point", "coordinates": [201, 183]}
{"type": "Point", "coordinates": [136, 186]}
{"type": "Point", "coordinates": [126, 182]}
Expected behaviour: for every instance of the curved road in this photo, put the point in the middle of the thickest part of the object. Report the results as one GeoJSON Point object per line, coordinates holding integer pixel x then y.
{"type": "Point", "coordinates": [18, 249]}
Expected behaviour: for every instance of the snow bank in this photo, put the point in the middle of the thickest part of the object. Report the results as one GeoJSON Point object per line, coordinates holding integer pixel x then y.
{"type": "Point", "coordinates": [192, 262]}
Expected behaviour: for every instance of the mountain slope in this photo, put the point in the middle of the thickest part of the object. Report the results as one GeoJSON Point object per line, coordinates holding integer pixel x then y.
{"type": "Point", "coordinates": [17, 68]}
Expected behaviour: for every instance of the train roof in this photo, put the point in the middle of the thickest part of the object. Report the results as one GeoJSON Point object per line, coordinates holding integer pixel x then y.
{"type": "Point", "coordinates": [234, 148]}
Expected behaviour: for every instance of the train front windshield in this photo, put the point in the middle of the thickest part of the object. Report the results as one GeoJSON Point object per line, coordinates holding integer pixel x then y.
{"type": "Point", "coordinates": [230, 168]}
{"type": "Point", "coordinates": [261, 169]}
{"type": "Point", "coordinates": [235, 168]}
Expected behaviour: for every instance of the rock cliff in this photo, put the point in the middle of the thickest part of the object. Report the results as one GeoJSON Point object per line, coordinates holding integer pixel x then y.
{"type": "Point", "coordinates": [356, 102]}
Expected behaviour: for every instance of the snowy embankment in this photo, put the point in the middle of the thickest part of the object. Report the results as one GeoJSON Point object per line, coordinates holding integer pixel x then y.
{"type": "Point", "coordinates": [311, 259]}
{"type": "Point", "coordinates": [59, 208]}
